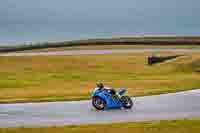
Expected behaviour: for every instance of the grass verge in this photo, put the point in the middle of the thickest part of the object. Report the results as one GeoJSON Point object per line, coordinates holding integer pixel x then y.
{"type": "Point", "coordinates": [58, 78]}
{"type": "Point", "coordinates": [175, 126]}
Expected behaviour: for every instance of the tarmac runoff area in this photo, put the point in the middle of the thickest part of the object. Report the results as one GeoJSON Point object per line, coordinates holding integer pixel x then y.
{"type": "Point", "coordinates": [98, 52]}
{"type": "Point", "coordinates": [159, 107]}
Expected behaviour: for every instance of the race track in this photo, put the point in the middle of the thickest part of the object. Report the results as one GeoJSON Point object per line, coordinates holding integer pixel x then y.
{"type": "Point", "coordinates": [98, 52]}
{"type": "Point", "coordinates": [162, 107]}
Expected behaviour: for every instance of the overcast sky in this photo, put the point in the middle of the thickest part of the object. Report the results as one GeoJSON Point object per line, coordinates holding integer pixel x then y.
{"type": "Point", "coordinates": [74, 11]}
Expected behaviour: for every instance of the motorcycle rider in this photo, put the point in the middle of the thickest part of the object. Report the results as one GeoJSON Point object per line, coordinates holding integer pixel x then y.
{"type": "Point", "coordinates": [100, 86]}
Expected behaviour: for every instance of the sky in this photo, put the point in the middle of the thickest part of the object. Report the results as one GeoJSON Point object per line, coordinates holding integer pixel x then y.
{"type": "Point", "coordinates": [89, 11]}
{"type": "Point", "coordinates": [46, 20]}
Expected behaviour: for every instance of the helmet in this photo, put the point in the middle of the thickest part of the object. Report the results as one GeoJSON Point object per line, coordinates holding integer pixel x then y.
{"type": "Point", "coordinates": [100, 85]}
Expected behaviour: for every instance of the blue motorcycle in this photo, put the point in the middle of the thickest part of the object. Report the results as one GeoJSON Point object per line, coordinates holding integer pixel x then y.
{"type": "Point", "coordinates": [106, 99]}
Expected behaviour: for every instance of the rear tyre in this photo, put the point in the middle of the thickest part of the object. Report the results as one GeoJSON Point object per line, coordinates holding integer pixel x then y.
{"type": "Point", "coordinates": [98, 103]}
{"type": "Point", "coordinates": [127, 102]}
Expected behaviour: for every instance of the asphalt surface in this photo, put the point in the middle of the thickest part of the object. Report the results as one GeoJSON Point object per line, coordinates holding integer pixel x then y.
{"type": "Point", "coordinates": [98, 52]}
{"type": "Point", "coordinates": [161, 107]}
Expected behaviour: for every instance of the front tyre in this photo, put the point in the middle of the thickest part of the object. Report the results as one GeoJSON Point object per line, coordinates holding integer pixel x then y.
{"type": "Point", "coordinates": [127, 102]}
{"type": "Point", "coordinates": [98, 103]}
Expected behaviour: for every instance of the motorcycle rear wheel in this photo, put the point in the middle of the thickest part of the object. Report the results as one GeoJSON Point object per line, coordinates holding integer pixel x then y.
{"type": "Point", "coordinates": [127, 102]}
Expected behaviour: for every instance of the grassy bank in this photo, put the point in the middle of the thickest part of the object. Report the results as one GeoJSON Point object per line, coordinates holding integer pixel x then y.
{"type": "Point", "coordinates": [151, 41]}
{"type": "Point", "coordinates": [57, 78]}
{"type": "Point", "coordinates": [178, 126]}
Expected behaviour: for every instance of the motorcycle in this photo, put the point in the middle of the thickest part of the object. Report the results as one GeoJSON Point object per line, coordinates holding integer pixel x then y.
{"type": "Point", "coordinates": [104, 99]}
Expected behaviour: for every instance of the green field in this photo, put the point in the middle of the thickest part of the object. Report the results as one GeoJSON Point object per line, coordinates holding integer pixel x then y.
{"type": "Point", "coordinates": [176, 126]}
{"type": "Point", "coordinates": [58, 78]}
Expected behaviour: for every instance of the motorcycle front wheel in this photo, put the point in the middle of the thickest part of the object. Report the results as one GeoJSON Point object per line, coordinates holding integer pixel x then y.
{"type": "Point", "coordinates": [98, 103]}
{"type": "Point", "coordinates": [127, 102]}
